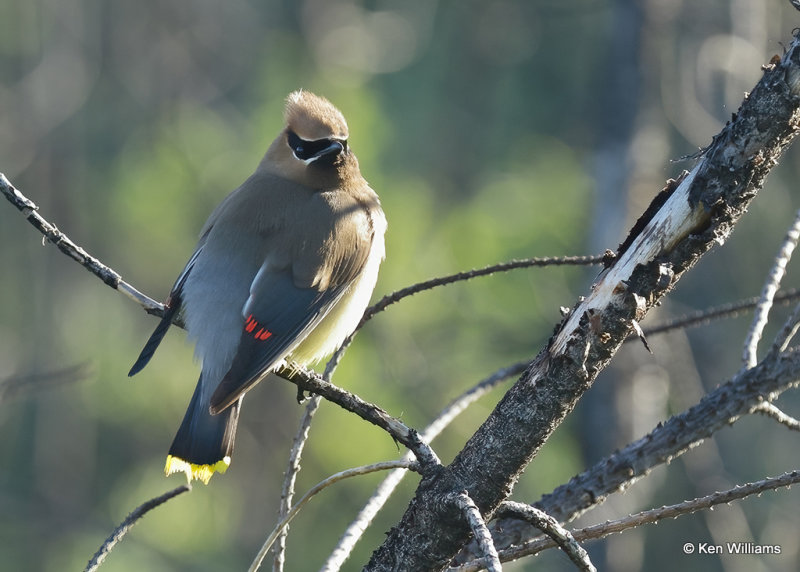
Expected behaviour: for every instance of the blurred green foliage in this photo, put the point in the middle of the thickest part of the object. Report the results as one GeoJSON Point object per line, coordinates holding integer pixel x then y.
{"type": "Point", "coordinates": [482, 125]}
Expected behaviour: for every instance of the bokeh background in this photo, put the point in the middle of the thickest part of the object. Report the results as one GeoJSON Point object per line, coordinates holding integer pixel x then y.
{"type": "Point", "coordinates": [492, 130]}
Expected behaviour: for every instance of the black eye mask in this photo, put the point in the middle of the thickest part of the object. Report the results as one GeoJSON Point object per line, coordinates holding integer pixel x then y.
{"type": "Point", "coordinates": [305, 150]}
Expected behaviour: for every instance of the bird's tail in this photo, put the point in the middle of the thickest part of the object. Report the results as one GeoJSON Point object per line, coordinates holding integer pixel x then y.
{"type": "Point", "coordinates": [204, 442]}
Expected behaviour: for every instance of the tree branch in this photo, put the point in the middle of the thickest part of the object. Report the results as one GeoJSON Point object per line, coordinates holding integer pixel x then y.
{"type": "Point", "coordinates": [28, 208]}
{"type": "Point", "coordinates": [312, 382]}
{"type": "Point", "coordinates": [303, 378]}
{"type": "Point", "coordinates": [316, 489]}
{"type": "Point", "coordinates": [732, 310]}
{"type": "Point", "coordinates": [700, 212]}
{"type": "Point", "coordinates": [773, 412]}
{"type": "Point", "coordinates": [395, 297]}
{"type": "Point", "coordinates": [550, 526]}
{"type": "Point", "coordinates": [773, 282]}
{"type": "Point", "coordinates": [290, 477]}
{"type": "Point", "coordinates": [724, 406]}
{"type": "Point", "coordinates": [601, 530]}
{"type": "Point", "coordinates": [128, 523]}
{"type": "Point", "coordinates": [356, 528]}
{"type": "Point", "coordinates": [17, 385]}
{"type": "Point", "coordinates": [476, 523]}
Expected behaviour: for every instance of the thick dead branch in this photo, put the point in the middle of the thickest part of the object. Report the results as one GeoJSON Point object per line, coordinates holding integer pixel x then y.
{"type": "Point", "coordinates": [699, 213]}
{"type": "Point", "coordinates": [742, 395]}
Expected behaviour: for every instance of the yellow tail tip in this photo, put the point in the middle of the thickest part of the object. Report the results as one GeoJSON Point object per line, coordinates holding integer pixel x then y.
{"type": "Point", "coordinates": [193, 471]}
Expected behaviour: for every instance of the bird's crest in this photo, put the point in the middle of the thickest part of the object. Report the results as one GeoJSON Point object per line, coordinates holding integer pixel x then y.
{"type": "Point", "coordinates": [313, 117]}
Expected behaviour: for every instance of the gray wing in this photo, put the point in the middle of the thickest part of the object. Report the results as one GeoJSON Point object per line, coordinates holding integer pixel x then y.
{"type": "Point", "coordinates": [288, 301]}
{"type": "Point", "coordinates": [278, 316]}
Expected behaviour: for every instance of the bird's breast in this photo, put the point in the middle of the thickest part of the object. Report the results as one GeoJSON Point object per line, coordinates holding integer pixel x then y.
{"type": "Point", "coordinates": [343, 318]}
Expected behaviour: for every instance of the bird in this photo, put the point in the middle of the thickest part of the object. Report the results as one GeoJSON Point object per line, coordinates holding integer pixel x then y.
{"type": "Point", "coordinates": [283, 271]}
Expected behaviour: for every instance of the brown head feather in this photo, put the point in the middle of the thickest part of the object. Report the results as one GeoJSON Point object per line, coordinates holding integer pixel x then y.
{"type": "Point", "coordinates": [313, 117]}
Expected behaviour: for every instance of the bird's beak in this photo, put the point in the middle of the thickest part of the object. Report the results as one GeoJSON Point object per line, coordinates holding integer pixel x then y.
{"type": "Point", "coordinates": [329, 153]}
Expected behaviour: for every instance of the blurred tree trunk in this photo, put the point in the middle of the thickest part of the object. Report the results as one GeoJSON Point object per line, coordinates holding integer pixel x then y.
{"type": "Point", "coordinates": [607, 416]}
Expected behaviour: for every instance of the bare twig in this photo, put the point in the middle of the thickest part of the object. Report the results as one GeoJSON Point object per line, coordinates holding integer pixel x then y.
{"type": "Point", "coordinates": [289, 479]}
{"type": "Point", "coordinates": [398, 295]}
{"type": "Point", "coordinates": [305, 379]}
{"type": "Point", "coordinates": [787, 332]}
{"type": "Point", "coordinates": [703, 317]}
{"type": "Point", "coordinates": [394, 297]}
{"type": "Point", "coordinates": [597, 531]}
{"type": "Point", "coordinates": [313, 491]}
{"type": "Point", "coordinates": [128, 523]}
{"type": "Point", "coordinates": [481, 534]}
{"type": "Point", "coordinates": [772, 411]}
{"type": "Point", "coordinates": [550, 526]}
{"type": "Point", "coordinates": [17, 385]}
{"type": "Point", "coordinates": [312, 382]}
{"type": "Point", "coordinates": [378, 499]}
{"type": "Point", "coordinates": [65, 245]}
{"type": "Point", "coordinates": [293, 468]}
{"type": "Point", "coordinates": [773, 282]}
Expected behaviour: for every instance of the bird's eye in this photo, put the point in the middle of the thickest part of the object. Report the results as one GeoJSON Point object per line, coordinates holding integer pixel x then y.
{"type": "Point", "coordinates": [296, 144]}
{"type": "Point", "coordinates": [306, 150]}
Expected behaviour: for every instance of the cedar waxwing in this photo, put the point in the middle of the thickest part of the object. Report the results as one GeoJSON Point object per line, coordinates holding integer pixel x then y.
{"type": "Point", "coordinates": [284, 270]}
